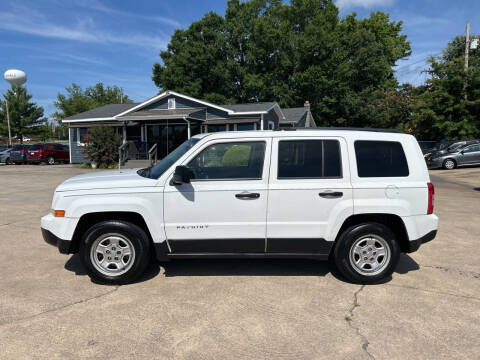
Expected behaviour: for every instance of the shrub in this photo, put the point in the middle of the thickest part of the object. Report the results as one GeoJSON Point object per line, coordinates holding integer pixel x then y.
{"type": "Point", "coordinates": [102, 146]}
{"type": "Point", "coordinates": [236, 156]}
{"type": "Point", "coordinates": [86, 165]}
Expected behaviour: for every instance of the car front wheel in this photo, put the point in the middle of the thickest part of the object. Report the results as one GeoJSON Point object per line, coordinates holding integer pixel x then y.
{"type": "Point", "coordinates": [449, 164]}
{"type": "Point", "coordinates": [51, 160]}
{"type": "Point", "coordinates": [115, 252]}
{"type": "Point", "coordinates": [367, 253]}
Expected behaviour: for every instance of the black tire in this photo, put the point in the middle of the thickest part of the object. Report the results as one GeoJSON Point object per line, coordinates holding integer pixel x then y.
{"type": "Point", "coordinates": [133, 233]}
{"type": "Point", "coordinates": [50, 160]}
{"type": "Point", "coordinates": [7, 161]}
{"type": "Point", "coordinates": [353, 235]}
{"type": "Point", "coordinates": [446, 164]}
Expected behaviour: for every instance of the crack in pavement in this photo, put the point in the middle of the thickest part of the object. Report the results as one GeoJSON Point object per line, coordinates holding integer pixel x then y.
{"type": "Point", "coordinates": [357, 329]}
{"type": "Point", "coordinates": [60, 307]}
{"type": "Point", "coordinates": [469, 274]}
{"type": "Point", "coordinates": [434, 292]}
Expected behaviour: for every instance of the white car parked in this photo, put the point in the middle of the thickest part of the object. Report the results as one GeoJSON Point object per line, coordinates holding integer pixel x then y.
{"type": "Point", "coordinates": [357, 197]}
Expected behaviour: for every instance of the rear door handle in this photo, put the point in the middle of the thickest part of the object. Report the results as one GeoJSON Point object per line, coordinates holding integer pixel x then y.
{"type": "Point", "coordinates": [331, 194]}
{"type": "Point", "coordinates": [247, 195]}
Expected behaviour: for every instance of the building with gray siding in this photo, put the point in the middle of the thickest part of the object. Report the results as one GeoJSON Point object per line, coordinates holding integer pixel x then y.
{"type": "Point", "coordinates": [170, 118]}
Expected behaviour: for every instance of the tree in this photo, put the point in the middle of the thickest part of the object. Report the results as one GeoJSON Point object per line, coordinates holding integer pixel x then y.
{"type": "Point", "coordinates": [78, 100]}
{"type": "Point", "coordinates": [447, 108]}
{"type": "Point", "coordinates": [26, 117]}
{"type": "Point", "coordinates": [271, 51]}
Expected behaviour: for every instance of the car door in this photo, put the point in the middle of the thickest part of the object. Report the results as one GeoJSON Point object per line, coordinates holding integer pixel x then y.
{"type": "Point", "coordinates": [309, 192]}
{"type": "Point", "coordinates": [223, 208]}
{"type": "Point", "coordinates": [470, 155]}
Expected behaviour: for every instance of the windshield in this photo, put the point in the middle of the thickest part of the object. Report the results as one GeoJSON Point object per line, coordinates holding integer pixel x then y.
{"type": "Point", "coordinates": [454, 147]}
{"type": "Point", "coordinates": [170, 159]}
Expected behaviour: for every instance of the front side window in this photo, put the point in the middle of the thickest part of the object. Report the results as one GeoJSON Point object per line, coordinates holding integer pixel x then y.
{"type": "Point", "coordinates": [309, 159]}
{"type": "Point", "coordinates": [380, 159]}
{"type": "Point", "coordinates": [236, 160]}
{"type": "Point", "coordinates": [472, 148]}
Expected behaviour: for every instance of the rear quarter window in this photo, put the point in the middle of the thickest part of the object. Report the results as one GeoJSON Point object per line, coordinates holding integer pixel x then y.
{"type": "Point", "coordinates": [380, 159]}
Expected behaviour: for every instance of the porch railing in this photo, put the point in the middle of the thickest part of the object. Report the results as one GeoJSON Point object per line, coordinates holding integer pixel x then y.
{"type": "Point", "coordinates": [122, 155]}
{"type": "Point", "coordinates": [152, 154]}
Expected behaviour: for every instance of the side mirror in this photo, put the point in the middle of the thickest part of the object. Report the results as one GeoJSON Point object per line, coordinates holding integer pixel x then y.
{"type": "Point", "coordinates": [182, 175]}
{"type": "Point", "coordinates": [462, 152]}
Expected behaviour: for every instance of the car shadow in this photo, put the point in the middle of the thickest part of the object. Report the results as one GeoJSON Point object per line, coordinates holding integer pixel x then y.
{"type": "Point", "coordinates": [244, 267]}
{"type": "Point", "coordinates": [74, 265]}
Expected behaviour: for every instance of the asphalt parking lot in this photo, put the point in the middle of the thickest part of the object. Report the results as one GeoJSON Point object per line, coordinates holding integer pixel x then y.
{"type": "Point", "coordinates": [237, 309]}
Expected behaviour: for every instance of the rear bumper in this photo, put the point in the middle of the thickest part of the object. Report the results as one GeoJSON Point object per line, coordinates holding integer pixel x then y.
{"type": "Point", "coordinates": [414, 245]}
{"type": "Point", "coordinates": [62, 245]}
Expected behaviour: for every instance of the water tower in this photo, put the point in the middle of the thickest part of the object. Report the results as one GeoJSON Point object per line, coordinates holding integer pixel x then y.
{"type": "Point", "coordinates": [15, 78]}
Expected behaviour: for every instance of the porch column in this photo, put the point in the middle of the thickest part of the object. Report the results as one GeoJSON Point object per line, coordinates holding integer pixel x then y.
{"type": "Point", "coordinates": [189, 133]}
{"type": "Point", "coordinates": [124, 132]}
{"type": "Point", "coordinates": [261, 122]}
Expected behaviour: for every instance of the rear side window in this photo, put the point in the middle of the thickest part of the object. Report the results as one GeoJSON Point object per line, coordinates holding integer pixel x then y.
{"type": "Point", "coordinates": [309, 159]}
{"type": "Point", "coordinates": [36, 147]}
{"type": "Point", "coordinates": [380, 159]}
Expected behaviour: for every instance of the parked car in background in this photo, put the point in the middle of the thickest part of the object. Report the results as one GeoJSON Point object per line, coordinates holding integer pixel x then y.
{"type": "Point", "coordinates": [438, 145]}
{"type": "Point", "coordinates": [5, 155]}
{"type": "Point", "coordinates": [18, 154]}
{"type": "Point", "coordinates": [458, 156]}
{"type": "Point", "coordinates": [48, 153]}
{"type": "Point", "coordinates": [451, 148]}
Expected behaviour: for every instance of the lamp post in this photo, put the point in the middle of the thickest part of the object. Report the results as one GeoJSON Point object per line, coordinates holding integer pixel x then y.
{"type": "Point", "coordinates": [14, 78]}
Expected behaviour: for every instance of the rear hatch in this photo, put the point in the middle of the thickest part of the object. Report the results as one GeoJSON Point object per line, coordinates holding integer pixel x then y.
{"type": "Point", "coordinates": [36, 152]}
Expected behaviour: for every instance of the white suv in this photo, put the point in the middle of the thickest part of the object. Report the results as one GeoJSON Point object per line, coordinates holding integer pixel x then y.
{"type": "Point", "coordinates": [357, 197]}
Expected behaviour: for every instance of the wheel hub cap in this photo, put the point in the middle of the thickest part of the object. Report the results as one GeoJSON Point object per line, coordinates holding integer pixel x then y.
{"type": "Point", "coordinates": [112, 254]}
{"type": "Point", "coordinates": [369, 255]}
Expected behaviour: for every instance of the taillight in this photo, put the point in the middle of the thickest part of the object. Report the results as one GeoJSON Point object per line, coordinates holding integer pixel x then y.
{"type": "Point", "coordinates": [431, 192]}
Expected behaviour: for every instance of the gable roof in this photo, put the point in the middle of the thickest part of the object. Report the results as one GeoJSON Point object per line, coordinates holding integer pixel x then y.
{"type": "Point", "coordinates": [102, 112]}
{"type": "Point", "coordinates": [294, 114]}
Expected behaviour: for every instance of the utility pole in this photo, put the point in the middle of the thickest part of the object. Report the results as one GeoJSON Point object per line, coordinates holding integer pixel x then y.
{"type": "Point", "coordinates": [121, 95]}
{"type": "Point", "coordinates": [467, 50]}
{"type": "Point", "coordinates": [8, 123]}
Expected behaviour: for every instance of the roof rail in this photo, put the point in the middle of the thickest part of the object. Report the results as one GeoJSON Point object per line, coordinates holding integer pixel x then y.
{"type": "Point", "coordinates": [343, 129]}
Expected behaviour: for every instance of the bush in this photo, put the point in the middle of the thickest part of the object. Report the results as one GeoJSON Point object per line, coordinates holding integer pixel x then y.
{"type": "Point", "coordinates": [102, 146]}
{"type": "Point", "coordinates": [236, 156]}
{"type": "Point", "coordinates": [86, 165]}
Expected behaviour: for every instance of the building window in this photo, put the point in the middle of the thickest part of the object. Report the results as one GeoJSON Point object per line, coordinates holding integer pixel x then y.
{"type": "Point", "coordinates": [245, 126]}
{"type": "Point", "coordinates": [271, 125]}
{"type": "Point", "coordinates": [81, 133]}
{"type": "Point", "coordinates": [217, 128]}
{"type": "Point", "coordinates": [171, 103]}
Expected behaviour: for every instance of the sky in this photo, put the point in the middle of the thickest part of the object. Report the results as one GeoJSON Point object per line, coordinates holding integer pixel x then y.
{"type": "Point", "coordinates": [59, 42]}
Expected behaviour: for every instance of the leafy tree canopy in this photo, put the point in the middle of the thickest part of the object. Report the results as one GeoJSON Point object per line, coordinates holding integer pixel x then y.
{"type": "Point", "coordinates": [449, 103]}
{"type": "Point", "coordinates": [78, 100]}
{"type": "Point", "coordinates": [26, 117]}
{"type": "Point", "coordinates": [272, 51]}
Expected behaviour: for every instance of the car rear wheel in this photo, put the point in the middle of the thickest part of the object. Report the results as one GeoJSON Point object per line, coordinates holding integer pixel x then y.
{"type": "Point", "coordinates": [367, 253]}
{"type": "Point", "coordinates": [7, 161]}
{"type": "Point", "coordinates": [115, 252]}
{"type": "Point", "coordinates": [51, 160]}
{"type": "Point", "coordinates": [449, 164]}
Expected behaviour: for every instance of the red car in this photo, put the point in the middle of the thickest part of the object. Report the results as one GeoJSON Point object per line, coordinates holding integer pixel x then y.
{"type": "Point", "coordinates": [48, 153]}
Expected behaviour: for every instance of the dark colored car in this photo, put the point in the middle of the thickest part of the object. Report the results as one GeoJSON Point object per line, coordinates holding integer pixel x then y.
{"type": "Point", "coordinates": [18, 155]}
{"type": "Point", "coordinates": [451, 148]}
{"type": "Point", "coordinates": [48, 153]}
{"type": "Point", "coordinates": [463, 155]}
{"type": "Point", "coordinates": [437, 146]}
{"type": "Point", "coordinates": [5, 155]}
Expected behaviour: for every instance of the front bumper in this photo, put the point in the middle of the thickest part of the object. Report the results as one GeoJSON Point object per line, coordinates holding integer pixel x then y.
{"type": "Point", "coordinates": [434, 163]}
{"type": "Point", "coordinates": [62, 245]}
{"type": "Point", "coordinates": [414, 245]}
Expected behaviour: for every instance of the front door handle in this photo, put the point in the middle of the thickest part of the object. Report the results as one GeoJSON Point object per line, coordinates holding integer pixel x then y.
{"type": "Point", "coordinates": [247, 195]}
{"type": "Point", "coordinates": [331, 194]}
